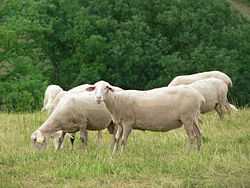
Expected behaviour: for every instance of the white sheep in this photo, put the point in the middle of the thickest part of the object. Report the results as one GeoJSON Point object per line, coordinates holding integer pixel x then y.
{"type": "Point", "coordinates": [75, 112]}
{"type": "Point", "coordinates": [60, 136]}
{"type": "Point", "coordinates": [53, 101]}
{"type": "Point", "coordinates": [51, 93]}
{"type": "Point", "coordinates": [59, 96]}
{"type": "Point", "coordinates": [49, 96]}
{"type": "Point", "coordinates": [189, 79]}
{"type": "Point", "coordinates": [215, 93]}
{"type": "Point", "coordinates": [160, 109]}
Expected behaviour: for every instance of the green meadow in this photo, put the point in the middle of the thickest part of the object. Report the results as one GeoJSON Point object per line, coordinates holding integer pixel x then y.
{"type": "Point", "coordinates": [152, 159]}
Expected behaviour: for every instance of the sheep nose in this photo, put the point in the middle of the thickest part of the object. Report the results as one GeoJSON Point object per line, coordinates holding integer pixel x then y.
{"type": "Point", "coordinates": [33, 140]}
{"type": "Point", "coordinates": [98, 99]}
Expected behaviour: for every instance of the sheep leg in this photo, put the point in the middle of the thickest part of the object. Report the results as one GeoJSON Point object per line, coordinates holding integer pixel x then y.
{"type": "Point", "coordinates": [198, 136]}
{"type": "Point", "coordinates": [99, 137]}
{"type": "Point", "coordinates": [227, 106]}
{"type": "Point", "coordinates": [114, 130]}
{"type": "Point", "coordinates": [191, 131]}
{"type": "Point", "coordinates": [126, 131]}
{"type": "Point", "coordinates": [194, 134]}
{"type": "Point", "coordinates": [219, 111]}
{"type": "Point", "coordinates": [84, 137]}
{"type": "Point", "coordinates": [72, 140]}
{"type": "Point", "coordinates": [58, 141]}
{"type": "Point", "coordinates": [61, 139]}
{"type": "Point", "coordinates": [117, 138]}
{"type": "Point", "coordinates": [190, 134]}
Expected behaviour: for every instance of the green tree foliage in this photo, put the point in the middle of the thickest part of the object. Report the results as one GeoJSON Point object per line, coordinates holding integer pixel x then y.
{"type": "Point", "coordinates": [130, 43]}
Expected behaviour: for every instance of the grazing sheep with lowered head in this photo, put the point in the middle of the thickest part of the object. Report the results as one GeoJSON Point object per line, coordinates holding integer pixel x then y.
{"type": "Point", "coordinates": [189, 79]}
{"type": "Point", "coordinates": [75, 112]}
{"type": "Point", "coordinates": [215, 93]}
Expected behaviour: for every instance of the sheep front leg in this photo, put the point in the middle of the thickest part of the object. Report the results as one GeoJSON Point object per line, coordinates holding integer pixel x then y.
{"type": "Point", "coordinates": [84, 137]}
{"type": "Point", "coordinates": [58, 141]}
{"type": "Point", "coordinates": [61, 139]}
{"type": "Point", "coordinates": [114, 132]}
{"type": "Point", "coordinates": [126, 131]}
{"type": "Point", "coordinates": [113, 137]}
{"type": "Point", "coordinates": [72, 140]}
{"type": "Point", "coordinates": [117, 138]}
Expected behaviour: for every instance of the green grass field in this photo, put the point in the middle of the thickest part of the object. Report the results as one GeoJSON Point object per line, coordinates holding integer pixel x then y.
{"type": "Point", "coordinates": [151, 159]}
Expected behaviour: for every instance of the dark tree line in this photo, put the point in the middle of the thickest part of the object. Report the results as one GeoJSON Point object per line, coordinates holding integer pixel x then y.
{"type": "Point", "coordinates": [137, 44]}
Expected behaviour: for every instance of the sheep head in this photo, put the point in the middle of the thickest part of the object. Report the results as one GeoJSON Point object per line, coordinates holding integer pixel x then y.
{"type": "Point", "coordinates": [38, 140]}
{"type": "Point", "coordinates": [101, 88]}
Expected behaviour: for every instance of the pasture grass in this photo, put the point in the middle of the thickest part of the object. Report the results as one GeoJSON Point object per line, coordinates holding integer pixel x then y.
{"type": "Point", "coordinates": [151, 159]}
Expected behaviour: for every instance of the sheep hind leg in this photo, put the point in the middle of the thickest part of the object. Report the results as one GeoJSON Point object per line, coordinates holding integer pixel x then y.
{"type": "Point", "coordinates": [99, 137]}
{"type": "Point", "coordinates": [219, 111]}
{"type": "Point", "coordinates": [190, 134]}
{"type": "Point", "coordinates": [198, 135]}
{"type": "Point", "coordinates": [117, 138]}
{"type": "Point", "coordinates": [84, 138]}
{"type": "Point", "coordinates": [193, 134]}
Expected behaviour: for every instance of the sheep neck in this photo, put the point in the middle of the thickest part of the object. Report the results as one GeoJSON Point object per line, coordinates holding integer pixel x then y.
{"type": "Point", "coordinates": [109, 102]}
{"type": "Point", "coordinates": [49, 126]}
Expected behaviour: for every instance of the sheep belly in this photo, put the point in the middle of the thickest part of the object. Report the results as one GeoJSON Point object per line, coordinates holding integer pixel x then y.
{"type": "Point", "coordinates": [157, 119]}
{"type": "Point", "coordinates": [98, 119]}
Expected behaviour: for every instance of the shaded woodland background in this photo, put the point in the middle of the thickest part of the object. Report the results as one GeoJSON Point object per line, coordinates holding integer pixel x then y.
{"type": "Point", "coordinates": [139, 44]}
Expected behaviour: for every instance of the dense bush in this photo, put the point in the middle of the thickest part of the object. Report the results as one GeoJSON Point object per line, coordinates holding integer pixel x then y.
{"type": "Point", "coordinates": [131, 43]}
{"type": "Point", "coordinates": [246, 1]}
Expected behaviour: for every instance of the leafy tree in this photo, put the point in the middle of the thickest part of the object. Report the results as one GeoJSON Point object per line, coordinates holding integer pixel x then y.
{"type": "Point", "coordinates": [130, 43]}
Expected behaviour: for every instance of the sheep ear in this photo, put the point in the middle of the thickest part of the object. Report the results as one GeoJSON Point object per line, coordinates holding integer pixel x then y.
{"type": "Point", "coordinates": [110, 89]}
{"type": "Point", "coordinates": [91, 88]}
